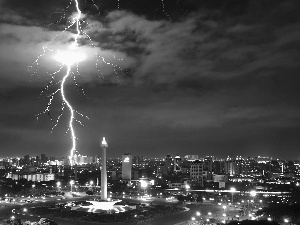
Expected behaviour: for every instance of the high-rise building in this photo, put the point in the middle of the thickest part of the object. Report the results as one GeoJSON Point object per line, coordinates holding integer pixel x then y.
{"type": "Point", "coordinates": [37, 161]}
{"type": "Point", "coordinates": [208, 166]}
{"type": "Point", "coordinates": [177, 163]}
{"type": "Point", "coordinates": [137, 160]}
{"type": "Point", "coordinates": [168, 164]}
{"type": "Point", "coordinates": [239, 166]}
{"type": "Point", "coordinates": [44, 158]}
{"type": "Point", "coordinates": [229, 166]}
{"type": "Point", "coordinates": [196, 172]}
{"type": "Point", "coordinates": [126, 166]}
{"type": "Point", "coordinates": [26, 160]}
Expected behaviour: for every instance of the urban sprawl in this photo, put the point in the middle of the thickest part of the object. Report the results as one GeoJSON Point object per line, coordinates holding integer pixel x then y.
{"type": "Point", "coordinates": [202, 190]}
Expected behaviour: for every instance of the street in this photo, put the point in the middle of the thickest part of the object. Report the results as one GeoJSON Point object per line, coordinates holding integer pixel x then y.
{"type": "Point", "coordinates": [204, 211]}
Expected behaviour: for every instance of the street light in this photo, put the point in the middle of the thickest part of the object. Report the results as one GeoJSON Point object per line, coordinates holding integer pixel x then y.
{"type": "Point", "coordinates": [232, 190]}
{"type": "Point", "coordinates": [144, 184]}
{"type": "Point", "coordinates": [58, 185]}
{"type": "Point", "coordinates": [253, 194]}
{"type": "Point", "coordinates": [224, 207]}
{"type": "Point", "coordinates": [198, 213]}
{"type": "Point", "coordinates": [91, 185]}
{"type": "Point", "coordinates": [71, 183]}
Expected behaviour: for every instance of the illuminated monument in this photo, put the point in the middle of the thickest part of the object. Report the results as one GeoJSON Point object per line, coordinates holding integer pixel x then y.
{"type": "Point", "coordinates": [103, 171]}
{"type": "Point", "coordinates": [104, 203]}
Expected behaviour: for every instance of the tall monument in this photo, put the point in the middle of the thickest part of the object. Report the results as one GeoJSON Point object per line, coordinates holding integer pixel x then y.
{"type": "Point", "coordinates": [103, 170]}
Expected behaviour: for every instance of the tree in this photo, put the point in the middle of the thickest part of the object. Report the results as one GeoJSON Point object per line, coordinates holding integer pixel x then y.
{"type": "Point", "coordinates": [16, 222]}
{"type": "Point", "coordinates": [180, 198]}
{"type": "Point", "coordinates": [89, 193]}
{"type": "Point", "coordinates": [199, 199]}
{"type": "Point", "coordinates": [45, 221]}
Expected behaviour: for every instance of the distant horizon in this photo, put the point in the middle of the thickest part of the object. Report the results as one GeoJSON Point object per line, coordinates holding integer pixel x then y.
{"type": "Point", "coordinates": [152, 157]}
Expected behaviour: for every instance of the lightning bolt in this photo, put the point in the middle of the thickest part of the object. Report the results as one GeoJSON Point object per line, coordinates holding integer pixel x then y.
{"type": "Point", "coordinates": [164, 10]}
{"type": "Point", "coordinates": [69, 63]}
{"type": "Point", "coordinates": [71, 116]}
{"type": "Point", "coordinates": [67, 59]}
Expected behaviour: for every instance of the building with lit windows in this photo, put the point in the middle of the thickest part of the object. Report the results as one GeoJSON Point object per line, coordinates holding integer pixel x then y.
{"type": "Point", "coordinates": [191, 157]}
{"type": "Point", "coordinates": [196, 172]}
{"type": "Point", "coordinates": [126, 166]}
{"type": "Point", "coordinates": [208, 166]}
{"type": "Point", "coordinates": [30, 174]}
{"type": "Point", "coordinates": [168, 164]}
{"type": "Point", "coordinates": [83, 160]}
{"type": "Point", "coordinates": [177, 164]}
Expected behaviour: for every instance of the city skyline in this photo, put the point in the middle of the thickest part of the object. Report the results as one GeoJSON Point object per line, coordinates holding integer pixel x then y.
{"type": "Point", "coordinates": [202, 77]}
{"type": "Point", "coordinates": [90, 159]}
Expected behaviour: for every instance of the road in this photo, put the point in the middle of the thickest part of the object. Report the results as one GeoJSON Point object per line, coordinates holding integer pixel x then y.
{"type": "Point", "coordinates": [207, 210]}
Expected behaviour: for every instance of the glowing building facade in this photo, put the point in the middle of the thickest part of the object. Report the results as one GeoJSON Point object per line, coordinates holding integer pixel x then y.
{"type": "Point", "coordinates": [30, 174]}
{"type": "Point", "coordinates": [82, 160]}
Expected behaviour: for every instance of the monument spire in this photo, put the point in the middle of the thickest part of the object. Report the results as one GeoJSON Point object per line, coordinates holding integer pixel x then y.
{"type": "Point", "coordinates": [103, 170]}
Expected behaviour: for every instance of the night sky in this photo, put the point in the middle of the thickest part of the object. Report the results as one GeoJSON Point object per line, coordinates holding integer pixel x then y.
{"type": "Point", "coordinates": [198, 77]}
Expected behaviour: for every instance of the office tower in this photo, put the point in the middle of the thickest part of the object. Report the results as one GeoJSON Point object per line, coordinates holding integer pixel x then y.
{"type": "Point", "coordinates": [126, 166]}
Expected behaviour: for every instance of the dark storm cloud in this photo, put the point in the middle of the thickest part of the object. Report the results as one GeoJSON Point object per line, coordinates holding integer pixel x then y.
{"type": "Point", "coordinates": [221, 77]}
{"type": "Point", "coordinates": [203, 46]}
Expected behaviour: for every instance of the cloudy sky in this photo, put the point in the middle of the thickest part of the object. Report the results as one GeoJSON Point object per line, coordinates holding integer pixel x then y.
{"type": "Point", "coordinates": [159, 77]}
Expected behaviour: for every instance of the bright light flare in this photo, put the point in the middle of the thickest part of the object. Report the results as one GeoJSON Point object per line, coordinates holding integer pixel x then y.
{"type": "Point", "coordinates": [144, 184]}
{"type": "Point", "coordinates": [253, 193]}
{"type": "Point", "coordinates": [69, 57]}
